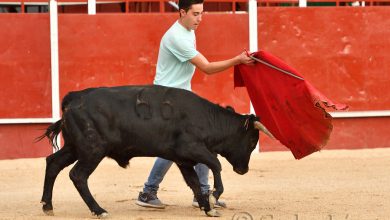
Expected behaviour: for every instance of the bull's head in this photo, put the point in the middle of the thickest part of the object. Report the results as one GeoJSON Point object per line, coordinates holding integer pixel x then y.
{"type": "Point", "coordinates": [240, 146]}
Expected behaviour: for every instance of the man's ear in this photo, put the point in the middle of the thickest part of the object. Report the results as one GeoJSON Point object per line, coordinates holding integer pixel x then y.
{"type": "Point", "coordinates": [182, 12]}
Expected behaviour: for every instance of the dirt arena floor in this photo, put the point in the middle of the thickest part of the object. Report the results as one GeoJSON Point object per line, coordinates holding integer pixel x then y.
{"type": "Point", "coordinates": [328, 185]}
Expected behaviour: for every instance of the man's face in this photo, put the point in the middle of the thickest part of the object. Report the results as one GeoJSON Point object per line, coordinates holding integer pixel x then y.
{"type": "Point", "coordinates": [192, 18]}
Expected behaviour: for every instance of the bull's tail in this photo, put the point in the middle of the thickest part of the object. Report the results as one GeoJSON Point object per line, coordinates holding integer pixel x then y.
{"type": "Point", "coordinates": [52, 133]}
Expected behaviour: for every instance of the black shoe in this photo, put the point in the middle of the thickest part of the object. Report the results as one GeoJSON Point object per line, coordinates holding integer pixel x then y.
{"type": "Point", "coordinates": [149, 200]}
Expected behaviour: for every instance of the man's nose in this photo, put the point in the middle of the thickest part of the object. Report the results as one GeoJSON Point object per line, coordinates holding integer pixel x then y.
{"type": "Point", "coordinates": [200, 18]}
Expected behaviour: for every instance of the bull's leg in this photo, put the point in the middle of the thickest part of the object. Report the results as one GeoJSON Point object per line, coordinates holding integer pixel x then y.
{"type": "Point", "coordinates": [197, 152]}
{"type": "Point", "coordinates": [204, 156]}
{"type": "Point", "coordinates": [213, 163]}
{"type": "Point", "coordinates": [192, 181]}
{"type": "Point", "coordinates": [218, 185]}
{"type": "Point", "coordinates": [79, 175]}
{"type": "Point", "coordinates": [54, 164]}
{"type": "Point", "coordinates": [215, 166]}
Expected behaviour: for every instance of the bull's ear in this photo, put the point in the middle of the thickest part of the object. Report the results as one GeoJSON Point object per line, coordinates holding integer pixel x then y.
{"type": "Point", "coordinates": [249, 120]}
{"type": "Point", "coordinates": [262, 128]}
{"type": "Point", "coordinates": [230, 108]}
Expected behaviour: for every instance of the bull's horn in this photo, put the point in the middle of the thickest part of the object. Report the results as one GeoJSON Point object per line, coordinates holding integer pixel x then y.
{"type": "Point", "coordinates": [262, 128]}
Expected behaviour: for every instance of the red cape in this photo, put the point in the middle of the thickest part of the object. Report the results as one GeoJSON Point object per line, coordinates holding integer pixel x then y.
{"type": "Point", "coordinates": [292, 109]}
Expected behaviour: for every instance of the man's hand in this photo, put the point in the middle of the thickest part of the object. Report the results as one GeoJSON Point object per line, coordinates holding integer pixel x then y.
{"type": "Point", "coordinates": [244, 58]}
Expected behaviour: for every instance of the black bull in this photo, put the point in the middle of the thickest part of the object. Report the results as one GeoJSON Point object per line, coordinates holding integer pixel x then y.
{"type": "Point", "coordinates": [147, 121]}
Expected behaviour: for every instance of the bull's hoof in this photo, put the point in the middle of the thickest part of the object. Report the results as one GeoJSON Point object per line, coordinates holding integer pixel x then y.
{"type": "Point", "coordinates": [213, 213]}
{"type": "Point", "coordinates": [48, 212]}
{"type": "Point", "coordinates": [103, 215]}
{"type": "Point", "coordinates": [47, 208]}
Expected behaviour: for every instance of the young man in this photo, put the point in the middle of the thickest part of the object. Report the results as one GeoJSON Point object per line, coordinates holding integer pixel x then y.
{"type": "Point", "coordinates": [176, 64]}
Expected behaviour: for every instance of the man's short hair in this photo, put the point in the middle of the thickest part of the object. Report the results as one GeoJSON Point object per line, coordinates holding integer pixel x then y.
{"type": "Point", "coordinates": [186, 4]}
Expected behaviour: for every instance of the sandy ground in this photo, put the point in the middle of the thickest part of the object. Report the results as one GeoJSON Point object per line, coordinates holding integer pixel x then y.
{"type": "Point", "coordinates": [329, 185]}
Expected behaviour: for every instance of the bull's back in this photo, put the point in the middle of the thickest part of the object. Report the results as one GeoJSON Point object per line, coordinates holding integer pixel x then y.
{"type": "Point", "coordinates": [147, 102]}
{"type": "Point", "coordinates": [135, 115]}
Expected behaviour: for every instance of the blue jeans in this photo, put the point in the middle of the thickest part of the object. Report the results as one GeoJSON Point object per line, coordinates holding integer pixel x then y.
{"type": "Point", "coordinates": [161, 167]}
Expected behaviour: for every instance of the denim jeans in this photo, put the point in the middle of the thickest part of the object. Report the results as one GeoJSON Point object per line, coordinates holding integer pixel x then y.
{"type": "Point", "coordinates": [161, 167]}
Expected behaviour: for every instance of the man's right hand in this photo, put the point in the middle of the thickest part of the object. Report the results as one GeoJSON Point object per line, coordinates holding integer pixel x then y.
{"type": "Point", "coordinates": [244, 58]}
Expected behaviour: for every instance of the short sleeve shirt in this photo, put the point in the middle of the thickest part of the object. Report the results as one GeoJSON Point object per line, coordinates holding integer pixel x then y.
{"type": "Point", "coordinates": [177, 48]}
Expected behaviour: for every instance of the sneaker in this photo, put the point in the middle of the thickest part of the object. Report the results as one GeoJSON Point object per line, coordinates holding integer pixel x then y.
{"type": "Point", "coordinates": [218, 204]}
{"type": "Point", "coordinates": [149, 200]}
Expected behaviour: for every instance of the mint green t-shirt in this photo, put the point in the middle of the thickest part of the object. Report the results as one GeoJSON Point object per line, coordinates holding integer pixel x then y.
{"type": "Point", "coordinates": [177, 48]}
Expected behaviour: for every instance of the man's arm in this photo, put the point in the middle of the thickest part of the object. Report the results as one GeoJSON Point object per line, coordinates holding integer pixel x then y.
{"type": "Point", "coordinates": [214, 67]}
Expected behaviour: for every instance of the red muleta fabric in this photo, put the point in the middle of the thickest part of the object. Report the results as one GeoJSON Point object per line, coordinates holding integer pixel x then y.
{"type": "Point", "coordinates": [291, 109]}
